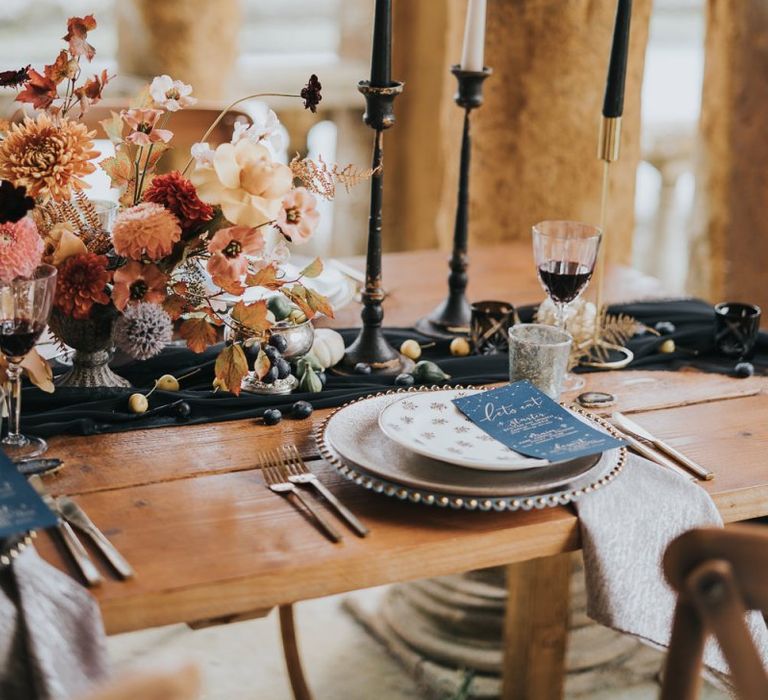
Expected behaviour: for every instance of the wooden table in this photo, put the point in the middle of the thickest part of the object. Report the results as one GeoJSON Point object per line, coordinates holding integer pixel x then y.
{"type": "Point", "coordinates": [188, 508]}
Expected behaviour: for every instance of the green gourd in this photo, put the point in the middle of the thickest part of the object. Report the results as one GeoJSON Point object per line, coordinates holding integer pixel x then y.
{"type": "Point", "coordinates": [310, 382]}
{"type": "Point", "coordinates": [280, 306]}
{"type": "Point", "coordinates": [426, 371]}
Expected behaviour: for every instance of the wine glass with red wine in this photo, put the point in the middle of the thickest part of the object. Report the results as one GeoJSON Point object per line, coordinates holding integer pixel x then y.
{"type": "Point", "coordinates": [565, 254]}
{"type": "Point", "coordinates": [25, 305]}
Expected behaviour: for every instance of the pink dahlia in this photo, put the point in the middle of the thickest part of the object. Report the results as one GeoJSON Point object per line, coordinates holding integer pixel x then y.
{"type": "Point", "coordinates": [298, 217]}
{"type": "Point", "coordinates": [21, 249]}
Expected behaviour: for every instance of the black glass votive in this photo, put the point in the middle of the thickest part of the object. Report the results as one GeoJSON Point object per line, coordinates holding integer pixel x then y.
{"type": "Point", "coordinates": [736, 329]}
{"type": "Point", "coordinates": [489, 326]}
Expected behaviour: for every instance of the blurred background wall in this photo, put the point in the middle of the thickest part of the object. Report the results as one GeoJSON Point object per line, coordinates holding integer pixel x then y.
{"type": "Point", "coordinates": [675, 211]}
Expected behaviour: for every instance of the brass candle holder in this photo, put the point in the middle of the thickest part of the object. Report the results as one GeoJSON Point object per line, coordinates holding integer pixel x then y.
{"type": "Point", "coordinates": [598, 352]}
{"type": "Point", "coordinates": [452, 317]}
{"type": "Point", "coordinates": [371, 347]}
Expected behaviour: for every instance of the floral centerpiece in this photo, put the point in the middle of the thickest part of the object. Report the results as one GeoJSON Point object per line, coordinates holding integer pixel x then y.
{"type": "Point", "coordinates": [181, 241]}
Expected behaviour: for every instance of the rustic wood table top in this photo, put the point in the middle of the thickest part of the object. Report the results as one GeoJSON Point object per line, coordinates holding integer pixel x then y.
{"type": "Point", "coordinates": [188, 508]}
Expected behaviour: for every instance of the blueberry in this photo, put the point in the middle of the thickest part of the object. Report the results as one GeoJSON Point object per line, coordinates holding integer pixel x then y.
{"type": "Point", "coordinates": [743, 370]}
{"type": "Point", "coordinates": [272, 416]}
{"type": "Point", "coordinates": [404, 380]}
{"type": "Point", "coordinates": [279, 342]}
{"type": "Point", "coordinates": [321, 376]}
{"type": "Point", "coordinates": [270, 376]}
{"type": "Point", "coordinates": [301, 409]}
{"type": "Point", "coordinates": [362, 368]}
{"type": "Point", "coordinates": [283, 368]}
{"type": "Point", "coordinates": [183, 410]}
{"type": "Point", "coordinates": [272, 353]}
{"type": "Point", "coordinates": [665, 327]}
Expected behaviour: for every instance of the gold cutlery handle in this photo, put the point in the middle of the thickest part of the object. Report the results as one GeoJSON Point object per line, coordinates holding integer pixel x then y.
{"type": "Point", "coordinates": [76, 549]}
{"type": "Point", "coordinates": [341, 509]}
{"type": "Point", "coordinates": [329, 530]}
{"type": "Point", "coordinates": [654, 456]}
{"type": "Point", "coordinates": [697, 469]}
{"type": "Point", "coordinates": [109, 550]}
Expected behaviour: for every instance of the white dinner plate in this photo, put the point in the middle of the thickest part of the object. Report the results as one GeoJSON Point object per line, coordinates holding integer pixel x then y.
{"type": "Point", "coordinates": [431, 425]}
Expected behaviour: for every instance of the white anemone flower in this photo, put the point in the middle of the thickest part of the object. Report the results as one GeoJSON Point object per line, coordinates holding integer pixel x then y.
{"type": "Point", "coordinates": [170, 94]}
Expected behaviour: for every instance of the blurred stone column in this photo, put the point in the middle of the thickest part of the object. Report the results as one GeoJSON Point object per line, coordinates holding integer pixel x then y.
{"type": "Point", "coordinates": [535, 138]}
{"type": "Point", "coordinates": [191, 40]}
{"type": "Point", "coordinates": [730, 245]}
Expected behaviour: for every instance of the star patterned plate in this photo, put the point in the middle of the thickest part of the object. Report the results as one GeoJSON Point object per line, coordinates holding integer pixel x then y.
{"type": "Point", "coordinates": [430, 425]}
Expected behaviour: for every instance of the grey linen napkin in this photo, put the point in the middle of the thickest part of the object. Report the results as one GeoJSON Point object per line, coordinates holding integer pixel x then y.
{"type": "Point", "coordinates": [52, 642]}
{"type": "Point", "coordinates": [625, 529]}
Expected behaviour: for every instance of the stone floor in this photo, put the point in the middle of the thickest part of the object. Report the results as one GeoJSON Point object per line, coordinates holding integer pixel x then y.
{"type": "Point", "coordinates": [244, 661]}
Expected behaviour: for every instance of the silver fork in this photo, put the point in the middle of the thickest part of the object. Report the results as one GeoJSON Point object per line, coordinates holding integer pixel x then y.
{"type": "Point", "coordinates": [298, 473]}
{"type": "Point", "coordinates": [277, 481]}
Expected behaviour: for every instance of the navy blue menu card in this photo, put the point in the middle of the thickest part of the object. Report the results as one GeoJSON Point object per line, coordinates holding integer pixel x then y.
{"type": "Point", "coordinates": [527, 421]}
{"type": "Point", "coordinates": [21, 509]}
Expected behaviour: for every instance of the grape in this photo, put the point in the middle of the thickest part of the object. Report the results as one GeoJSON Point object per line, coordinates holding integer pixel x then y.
{"type": "Point", "coordinates": [744, 370]}
{"type": "Point", "coordinates": [272, 353]}
{"type": "Point", "coordinates": [362, 368]}
{"type": "Point", "coordinates": [301, 409]}
{"type": "Point", "coordinates": [270, 376]}
{"type": "Point", "coordinates": [272, 416]}
{"type": "Point", "coordinates": [404, 380]}
{"type": "Point", "coordinates": [279, 342]}
{"type": "Point", "coordinates": [283, 368]}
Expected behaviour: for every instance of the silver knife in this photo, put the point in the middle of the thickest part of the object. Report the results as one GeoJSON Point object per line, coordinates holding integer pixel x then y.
{"type": "Point", "coordinates": [74, 546]}
{"type": "Point", "coordinates": [641, 433]}
{"type": "Point", "coordinates": [75, 515]}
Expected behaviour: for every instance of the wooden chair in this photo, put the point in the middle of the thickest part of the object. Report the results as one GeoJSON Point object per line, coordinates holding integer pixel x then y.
{"type": "Point", "coordinates": [719, 575]}
{"type": "Point", "coordinates": [178, 683]}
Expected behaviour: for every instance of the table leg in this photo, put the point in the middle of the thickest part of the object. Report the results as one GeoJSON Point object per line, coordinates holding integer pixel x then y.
{"type": "Point", "coordinates": [536, 628]}
{"type": "Point", "coordinates": [292, 655]}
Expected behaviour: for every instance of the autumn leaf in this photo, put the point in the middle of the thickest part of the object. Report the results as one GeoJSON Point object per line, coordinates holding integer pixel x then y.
{"type": "Point", "coordinates": [229, 286]}
{"type": "Point", "coordinates": [35, 367]}
{"type": "Point", "coordinates": [90, 92]}
{"type": "Point", "coordinates": [39, 91]}
{"type": "Point", "coordinates": [113, 127]}
{"type": "Point", "coordinates": [313, 269]}
{"type": "Point", "coordinates": [198, 333]}
{"type": "Point", "coordinates": [266, 277]}
{"type": "Point", "coordinates": [120, 170]}
{"type": "Point", "coordinates": [77, 32]}
{"type": "Point", "coordinates": [309, 301]}
{"type": "Point", "coordinates": [262, 365]}
{"type": "Point", "coordinates": [143, 100]}
{"type": "Point", "coordinates": [252, 316]}
{"type": "Point", "coordinates": [176, 305]}
{"type": "Point", "coordinates": [231, 368]}
{"type": "Point", "coordinates": [60, 69]}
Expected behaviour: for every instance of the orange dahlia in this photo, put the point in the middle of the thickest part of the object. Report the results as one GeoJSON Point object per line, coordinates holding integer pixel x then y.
{"type": "Point", "coordinates": [147, 230]}
{"type": "Point", "coordinates": [81, 283]}
{"type": "Point", "coordinates": [48, 158]}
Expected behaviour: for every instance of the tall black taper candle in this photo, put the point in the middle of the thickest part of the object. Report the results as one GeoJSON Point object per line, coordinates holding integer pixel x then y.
{"type": "Point", "coordinates": [381, 54]}
{"type": "Point", "coordinates": [371, 347]}
{"type": "Point", "coordinates": [613, 104]}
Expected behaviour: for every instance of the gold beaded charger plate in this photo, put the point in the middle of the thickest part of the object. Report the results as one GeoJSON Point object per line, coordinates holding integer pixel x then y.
{"type": "Point", "coordinates": [11, 547]}
{"type": "Point", "coordinates": [432, 426]}
{"type": "Point", "coordinates": [350, 439]}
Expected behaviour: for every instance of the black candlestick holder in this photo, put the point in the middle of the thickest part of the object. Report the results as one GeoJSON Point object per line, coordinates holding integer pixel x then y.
{"type": "Point", "coordinates": [371, 347]}
{"type": "Point", "coordinates": [452, 317]}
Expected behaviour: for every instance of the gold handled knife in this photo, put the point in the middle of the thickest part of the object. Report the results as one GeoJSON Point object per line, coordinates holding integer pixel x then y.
{"type": "Point", "coordinates": [629, 426]}
{"type": "Point", "coordinates": [76, 516]}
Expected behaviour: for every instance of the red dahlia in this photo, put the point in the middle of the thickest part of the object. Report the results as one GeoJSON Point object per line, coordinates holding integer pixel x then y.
{"type": "Point", "coordinates": [179, 196]}
{"type": "Point", "coordinates": [81, 283]}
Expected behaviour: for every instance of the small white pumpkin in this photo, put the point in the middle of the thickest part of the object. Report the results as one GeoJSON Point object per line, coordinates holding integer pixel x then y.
{"type": "Point", "coordinates": [328, 347]}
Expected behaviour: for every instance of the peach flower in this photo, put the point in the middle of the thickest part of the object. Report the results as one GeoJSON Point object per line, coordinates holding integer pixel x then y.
{"type": "Point", "coordinates": [145, 230]}
{"type": "Point", "coordinates": [135, 282]}
{"type": "Point", "coordinates": [298, 217]}
{"type": "Point", "coordinates": [143, 130]}
{"type": "Point", "coordinates": [61, 242]}
{"type": "Point", "coordinates": [229, 248]}
{"type": "Point", "coordinates": [245, 181]}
